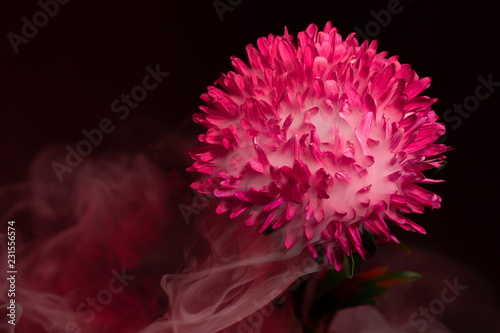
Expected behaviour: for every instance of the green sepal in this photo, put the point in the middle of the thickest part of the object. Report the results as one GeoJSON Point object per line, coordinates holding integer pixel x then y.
{"type": "Point", "coordinates": [363, 288]}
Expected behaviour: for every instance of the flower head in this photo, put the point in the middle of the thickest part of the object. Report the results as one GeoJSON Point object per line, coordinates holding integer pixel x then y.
{"type": "Point", "coordinates": [323, 138]}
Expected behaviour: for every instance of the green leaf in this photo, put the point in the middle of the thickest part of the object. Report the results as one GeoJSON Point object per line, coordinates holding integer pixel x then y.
{"type": "Point", "coordinates": [373, 283]}
{"type": "Point", "coordinates": [333, 277]}
{"type": "Point", "coordinates": [363, 288]}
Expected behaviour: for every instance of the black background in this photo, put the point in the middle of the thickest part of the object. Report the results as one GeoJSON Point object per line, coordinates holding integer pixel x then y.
{"type": "Point", "coordinates": [65, 78]}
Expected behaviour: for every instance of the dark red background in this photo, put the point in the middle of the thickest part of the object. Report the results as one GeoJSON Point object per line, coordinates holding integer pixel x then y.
{"type": "Point", "coordinates": [65, 78]}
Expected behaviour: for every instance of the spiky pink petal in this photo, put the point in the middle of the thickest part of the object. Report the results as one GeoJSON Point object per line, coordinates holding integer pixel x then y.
{"type": "Point", "coordinates": [322, 138]}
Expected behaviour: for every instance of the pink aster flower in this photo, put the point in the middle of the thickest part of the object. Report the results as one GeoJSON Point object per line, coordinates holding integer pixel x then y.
{"type": "Point", "coordinates": [323, 139]}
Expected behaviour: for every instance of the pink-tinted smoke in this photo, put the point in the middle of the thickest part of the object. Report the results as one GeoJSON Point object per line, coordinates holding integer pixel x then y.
{"type": "Point", "coordinates": [244, 272]}
{"type": "Point", "coordinates": [96, 250]}
{"type": "Point", "coordinates": [91, 249]}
